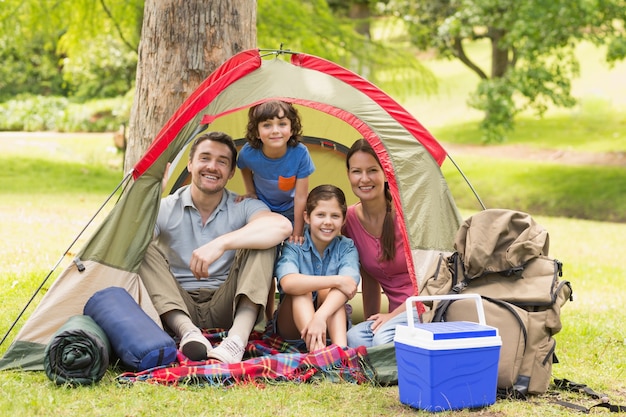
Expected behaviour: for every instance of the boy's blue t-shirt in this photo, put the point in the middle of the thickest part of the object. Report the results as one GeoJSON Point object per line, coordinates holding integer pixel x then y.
{"type": "Point", "coordinates": [340, 258]}
{"type": "Point", "coordinates": [275, 179]}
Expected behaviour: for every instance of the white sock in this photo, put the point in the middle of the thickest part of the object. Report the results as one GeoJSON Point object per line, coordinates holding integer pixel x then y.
{"type": "Point", "coordinates": [179, 322]}
{"type": "Point", "coordinates": [245, 319]}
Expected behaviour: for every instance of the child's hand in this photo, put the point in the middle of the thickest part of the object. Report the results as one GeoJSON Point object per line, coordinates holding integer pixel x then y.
{"type": "Point", "coordinates": [298, 240]}
{"type": "Point", "coordinates": [347, 286]}
{"type": "Point", "coordinates": [314, 334]}
{"type": "Point", "coordinates": [244, 196]}
{"type": "Point", "coordinates": [165, 177]}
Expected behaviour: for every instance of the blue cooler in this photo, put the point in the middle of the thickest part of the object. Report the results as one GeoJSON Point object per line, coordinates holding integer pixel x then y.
{"type": "Point", "coordinates": [447, 365]}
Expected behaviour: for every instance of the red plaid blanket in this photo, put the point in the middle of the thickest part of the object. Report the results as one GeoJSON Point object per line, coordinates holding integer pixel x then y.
{"type": "Point", "coordinates": [267, 358]}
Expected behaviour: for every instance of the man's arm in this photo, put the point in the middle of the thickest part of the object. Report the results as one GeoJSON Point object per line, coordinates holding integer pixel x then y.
{"type": "Point", "coordinates": [264, 230]}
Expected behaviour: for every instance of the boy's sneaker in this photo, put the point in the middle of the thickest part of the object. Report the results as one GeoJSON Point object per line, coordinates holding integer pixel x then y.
{"type": "Point", "coordinates": [231, 350]}
{"type": "Point", "coordinates": [195, 346]}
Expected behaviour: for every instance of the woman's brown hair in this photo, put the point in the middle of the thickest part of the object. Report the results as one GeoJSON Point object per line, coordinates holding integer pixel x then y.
{"type": "Point", "coordinates": [388, 235]}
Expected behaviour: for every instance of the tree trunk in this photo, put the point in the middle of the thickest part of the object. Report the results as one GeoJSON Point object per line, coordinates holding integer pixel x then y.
{"type": "Point", "coordinates": [499, 56]}
{"type": "Point", "coordinates": [182, 42]}
{"type": "Point", "coordinates": [360, 11]}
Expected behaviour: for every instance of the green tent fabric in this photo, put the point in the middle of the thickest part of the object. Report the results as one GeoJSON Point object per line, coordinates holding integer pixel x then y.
{"type": "Point", "coordinates": [78, 354]}
{"type": "Point", "coordinates": [337, 107]}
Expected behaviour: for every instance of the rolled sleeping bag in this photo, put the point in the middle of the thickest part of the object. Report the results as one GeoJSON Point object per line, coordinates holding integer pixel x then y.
{"type": "Point", "coordinates": [135, 338]}
{"type": "Point", "coordinates": [78, 353]}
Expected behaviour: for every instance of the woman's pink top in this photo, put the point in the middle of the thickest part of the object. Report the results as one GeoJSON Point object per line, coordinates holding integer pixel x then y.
{"type": "Point", "coordinates": [392, 275]}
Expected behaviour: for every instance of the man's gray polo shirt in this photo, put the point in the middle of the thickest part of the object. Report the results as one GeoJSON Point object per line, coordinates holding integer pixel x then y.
{"type": "Point", "coordinates": [179, 231]}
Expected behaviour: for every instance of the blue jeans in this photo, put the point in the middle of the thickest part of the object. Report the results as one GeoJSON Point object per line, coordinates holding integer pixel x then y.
{"type": "Point", "coordinates": [362, 335]}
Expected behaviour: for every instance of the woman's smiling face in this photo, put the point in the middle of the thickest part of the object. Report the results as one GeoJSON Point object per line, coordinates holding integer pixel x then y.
{"type": "Point", "coordinates": [366, 176]}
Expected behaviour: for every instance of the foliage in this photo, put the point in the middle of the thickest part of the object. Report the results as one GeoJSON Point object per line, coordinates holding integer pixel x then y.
{"type": "Point", "coordinates": [42, 113]}
{"type": "Point", "coordinates": [89, 47]}
{"type": "Point", "coordinates": [29, 67]}
{"type": "Point", "coordinates": [33, 113]}
{"type": "Point", "coordinates": [100, 46]}
{"type": "Point", "coordinates": [593, 128]}
{"type": "Point", "coordinates": [96, 40]}
{"type": "Point", "coordinates": [107, 71]}
{"type": "Point", "coordinates": [532, 42]}
{"type": "Point", "coordinates": [312, 27]}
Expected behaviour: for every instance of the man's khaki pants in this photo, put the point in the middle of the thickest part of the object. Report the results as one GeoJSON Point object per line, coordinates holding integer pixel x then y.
{"type": "Point", "coordinates": [250, 275]}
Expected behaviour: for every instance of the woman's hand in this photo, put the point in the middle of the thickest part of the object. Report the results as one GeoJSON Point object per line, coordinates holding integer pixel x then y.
{"type": "Point", "coordinates": [379, 319]}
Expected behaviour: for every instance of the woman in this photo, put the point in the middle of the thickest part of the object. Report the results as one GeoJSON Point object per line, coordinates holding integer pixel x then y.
{"type": "Point", "coordinates": [373, 226]}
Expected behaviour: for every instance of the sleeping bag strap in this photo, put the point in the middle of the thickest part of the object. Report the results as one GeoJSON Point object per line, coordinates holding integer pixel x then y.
{"type": "Point", "coordinates": [567, 385]}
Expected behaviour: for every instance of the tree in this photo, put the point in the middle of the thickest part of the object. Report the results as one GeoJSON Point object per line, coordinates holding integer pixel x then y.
{"type": "Point", "coordinates": [93, 47]}
{"type": "Point", "coordinates": [532, 47]}
{"type": "Point", "coordinates": [182, 42]}
{"type": "Point", "coordinates": [167, 72]}
{"type": "Point", "coordinates": [338, 30]}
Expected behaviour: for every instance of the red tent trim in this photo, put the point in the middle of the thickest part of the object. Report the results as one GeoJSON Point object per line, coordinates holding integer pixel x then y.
{"type": "Point", "coordinates": [233, 69]}
{"type": "Point", "coordinates": [390, 105]}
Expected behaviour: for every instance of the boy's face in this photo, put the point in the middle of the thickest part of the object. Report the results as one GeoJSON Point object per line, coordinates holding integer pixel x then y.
{"type": "Point", "coordinates": [275, 133]}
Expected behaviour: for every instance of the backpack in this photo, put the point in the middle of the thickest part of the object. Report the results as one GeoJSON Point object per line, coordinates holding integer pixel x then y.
{"type": "Point", "coordinates": [502, 255]}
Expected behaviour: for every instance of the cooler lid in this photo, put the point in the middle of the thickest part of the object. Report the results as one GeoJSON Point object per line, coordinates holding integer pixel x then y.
{"type": "Point", "coordinates": [454, 330]}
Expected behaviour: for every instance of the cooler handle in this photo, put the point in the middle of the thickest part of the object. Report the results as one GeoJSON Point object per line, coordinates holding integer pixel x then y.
{"type": "Point", "coordinates": [413, 299]}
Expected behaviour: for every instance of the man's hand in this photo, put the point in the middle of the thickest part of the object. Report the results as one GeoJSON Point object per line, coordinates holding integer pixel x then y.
{"type": "Point", "coordinates": [204, 256]}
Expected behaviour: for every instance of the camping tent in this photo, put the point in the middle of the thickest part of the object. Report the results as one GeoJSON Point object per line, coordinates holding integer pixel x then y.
{"type": "Point", "coordinates": [337, 107]}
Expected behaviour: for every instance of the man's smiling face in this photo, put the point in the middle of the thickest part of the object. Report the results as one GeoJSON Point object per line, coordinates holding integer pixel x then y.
{"type": "Point", "coordinates": [211, 167]}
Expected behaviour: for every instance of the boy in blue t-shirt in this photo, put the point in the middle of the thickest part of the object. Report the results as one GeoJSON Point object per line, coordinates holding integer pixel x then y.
{"type": "Point", "coordinates": [274, 165]}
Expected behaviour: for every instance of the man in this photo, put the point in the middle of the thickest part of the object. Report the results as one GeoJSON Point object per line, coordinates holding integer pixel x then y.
{"type": "Point", "coordinates": [211, 263]}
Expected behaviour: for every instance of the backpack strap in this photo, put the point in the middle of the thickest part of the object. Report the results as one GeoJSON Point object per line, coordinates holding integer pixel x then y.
{"type": "Point", "coordinates": [568, 385]}
{"type": "Point", "coordinates": [459, 283]}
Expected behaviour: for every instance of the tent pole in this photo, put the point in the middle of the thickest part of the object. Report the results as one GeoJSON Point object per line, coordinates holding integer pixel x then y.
{"type": "Point", "coordinates": [467, 182]}
{"type": "Point", "coordinates": [124, 181]}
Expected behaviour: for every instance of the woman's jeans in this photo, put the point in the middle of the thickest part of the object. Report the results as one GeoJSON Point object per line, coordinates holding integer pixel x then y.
{"type": "Point", "coordinates": [361, 334]}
